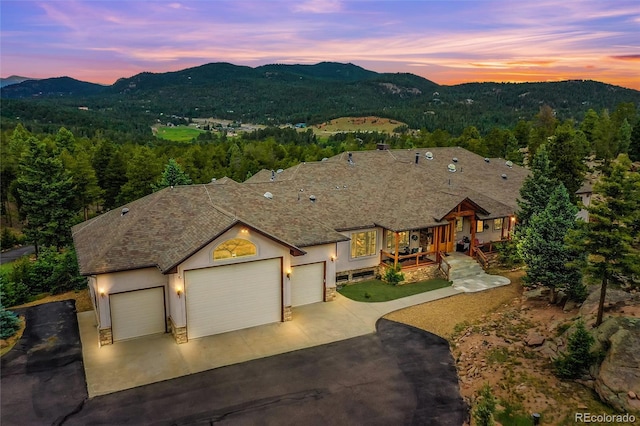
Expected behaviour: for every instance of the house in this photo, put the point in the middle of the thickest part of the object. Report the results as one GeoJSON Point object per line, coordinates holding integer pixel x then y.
{"type": "Point", "coordinates": [199, 260]}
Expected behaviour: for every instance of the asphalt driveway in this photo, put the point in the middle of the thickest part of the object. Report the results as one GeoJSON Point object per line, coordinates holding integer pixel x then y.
{"type": "Point", "coordinates": [400, 375]}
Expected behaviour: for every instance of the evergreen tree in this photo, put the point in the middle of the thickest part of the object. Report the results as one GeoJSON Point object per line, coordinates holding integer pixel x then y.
{"type": "Point", "coordinates": [172, 175]}
{"type": "Point", "coordinates": [578, 357]}
{"type": "Point", "coordinates": [610, 238]}
{"type": "Point", "coordinates": [634, 142]}
{"type": "Point", "coordinates": [543, 246]}
{"type": "Point", "coordinates": [47, 194]}
{"type": "Point", "coordinates": [536, 188]}
{"type": "Point", "coordinates": [114, 178]}
{"type": "Point", "coordinates": [143, 170]}
{"type": "Point", "coordinates": [566, 155]}
{"type": "Point", "coordinates": [86, 182]}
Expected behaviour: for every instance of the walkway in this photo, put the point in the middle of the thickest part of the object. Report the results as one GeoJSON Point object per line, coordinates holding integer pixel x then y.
{"type": "Point", "coordinates": [468, 276]}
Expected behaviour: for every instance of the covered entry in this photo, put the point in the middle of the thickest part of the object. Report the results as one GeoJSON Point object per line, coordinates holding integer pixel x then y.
{"type": "Point", "coordinates": [137, 313]}
{"type": "Point", "coordinates": [232, 297]}
{"type": "Point", "coordinates": [307, 284]}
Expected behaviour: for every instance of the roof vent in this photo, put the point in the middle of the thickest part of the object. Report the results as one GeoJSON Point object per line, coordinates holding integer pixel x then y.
{"type": "Point", "coordinates": [417, 157]}
{"type": "Point", "coordinates": [350, 158]}
{"type": "Point", "coordinates": [509, 163]}
{"type": "Point", "coordinates": [213, 179]}
{"type": "Point", "coordinates": [454, 159]}
{"type": "Point", "coordinates": [325, 159]}
{"type": "Point", "coordinates": [124, 211]}
{"type": "Point", "coordinates": [268, 195]}
{"type": "Point", "coordinates": [504, 176]}
{"type": "Point", "coordinates": [279, 171]}
{"type": "Point", "coordinates": [312, 198]}
{"type": "Point", "coordinates": [428, 155]}
{"type": "Point", "coordinates": [273, 175]}
{"type": "Point", "coordinates": [486, 159]}
{"type": "Point", "coordinates": [451, 167]}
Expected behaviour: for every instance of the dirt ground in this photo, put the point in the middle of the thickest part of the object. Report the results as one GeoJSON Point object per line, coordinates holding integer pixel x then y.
{"type": "Point", "coordinates": [488, 336]}
{"type": "Point", "coordinates": [82, 298]}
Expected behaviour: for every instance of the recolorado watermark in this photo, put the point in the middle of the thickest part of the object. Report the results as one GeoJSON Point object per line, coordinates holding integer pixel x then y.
{"type": "Point", "coordinates": [604, 418]}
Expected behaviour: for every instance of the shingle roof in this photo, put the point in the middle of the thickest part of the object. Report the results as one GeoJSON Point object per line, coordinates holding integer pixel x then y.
{"type": "Point", "coordinates": [380, 188]}
{"type": "Point", "coordinates": [389, 189]}
{"type": "Point", "coordinates": [165, 228]}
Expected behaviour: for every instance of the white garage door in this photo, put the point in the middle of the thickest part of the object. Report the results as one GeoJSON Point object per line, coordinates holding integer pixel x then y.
{"type": "Point", "coordinates": [137, 313]}
{"type": "Point", "coordinates": [307, 284]}
{"type": "Point", "coordinates": [232, 297]}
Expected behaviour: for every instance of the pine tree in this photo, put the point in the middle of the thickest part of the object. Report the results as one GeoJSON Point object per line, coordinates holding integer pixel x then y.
{"type": "Point", "coordinates": [47, 195]}
{"type": "Point", "coordinates": [566, 154]}
{"type": "Point", "coordinates": [172, 175]}
{"type": "Point", "coordinates": [536, 188]}
{"type": "Point", "coordinates": [610, 238]}
{"type": "Point", "coordinates": [544, 248]}
{"type": "Point", "coordinates": [578, 357]}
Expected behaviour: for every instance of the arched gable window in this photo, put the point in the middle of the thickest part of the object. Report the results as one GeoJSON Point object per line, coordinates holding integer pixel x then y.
{"type": "Point", "coordinates": [235, 247]}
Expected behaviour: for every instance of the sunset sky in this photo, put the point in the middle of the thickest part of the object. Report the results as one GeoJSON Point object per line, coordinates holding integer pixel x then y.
{"type": "Point", "coordinates": [448, 42]}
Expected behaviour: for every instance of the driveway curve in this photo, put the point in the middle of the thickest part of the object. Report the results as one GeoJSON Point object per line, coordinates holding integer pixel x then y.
{"type": "Point", "coordinates": [399, 375]}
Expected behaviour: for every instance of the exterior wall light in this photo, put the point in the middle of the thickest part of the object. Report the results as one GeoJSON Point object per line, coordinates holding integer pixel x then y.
{"type": "Point", "coordinates": [102, 292]}
{"type": "Point", "coordinates": [333, 257]}
{"type": "Point", "coordinates": [289, 273]}
{"type": "Point", "coordinates": [179, 291]}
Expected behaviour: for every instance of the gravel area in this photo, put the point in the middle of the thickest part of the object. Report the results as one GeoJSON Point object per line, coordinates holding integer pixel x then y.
{"type": "Point", "coordinates": [441, 316]}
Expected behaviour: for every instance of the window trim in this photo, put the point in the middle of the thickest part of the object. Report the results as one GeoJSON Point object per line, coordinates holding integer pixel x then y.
{"type": "Point", "coordinates": [496, 228]}
{"type": "Point", "coordinates": [232, 257]}
{"type": "Point", "coordinates": [479, 226]}
{"type": "Point", "coordinates": [371, 244]}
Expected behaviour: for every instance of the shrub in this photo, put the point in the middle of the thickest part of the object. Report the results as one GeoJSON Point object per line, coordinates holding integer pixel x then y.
{"type": "Point", "coordinates": [9, 238]}
{"type": "Point", "coordinates": [485, 408]}
{"type": "Point", "coordinates": [11, 292]}
{"type": "Point", "coordinates": [9, 323]}
{"type": "Point", "coordinates": [578, 357]}
{"type": "Point", "coordinates": [508, 254]}
{"type": "Point", "coordinates": [393, 275]}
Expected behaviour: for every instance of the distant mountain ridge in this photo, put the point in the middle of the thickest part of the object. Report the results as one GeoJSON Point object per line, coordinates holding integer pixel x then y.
{"type": "Point", "coordinates": [13, 79]}
{"type": "Point", "coordinates": [279, 93]}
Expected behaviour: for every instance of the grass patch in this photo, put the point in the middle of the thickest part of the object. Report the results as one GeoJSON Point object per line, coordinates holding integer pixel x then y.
{"type": "Point", "coordinates": [178, 133]}
{"type": "Point", "coordinates": [6, 268]}
{"type": "Point", "coordinates": [379, 291]}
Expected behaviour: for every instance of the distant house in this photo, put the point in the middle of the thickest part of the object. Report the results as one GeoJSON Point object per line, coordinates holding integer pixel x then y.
{"type": "Point", "coordinates": [199, 260]}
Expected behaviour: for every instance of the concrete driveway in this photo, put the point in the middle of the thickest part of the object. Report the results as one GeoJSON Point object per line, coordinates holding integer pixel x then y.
{"type": "Point", "coordinates": [142, 361]}
{"type": "Point", "coordinates": [399, 375]}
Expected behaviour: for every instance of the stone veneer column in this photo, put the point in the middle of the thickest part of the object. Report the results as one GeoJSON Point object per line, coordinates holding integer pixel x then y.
{"type": "Point", "coordinates": [329, 294]}
{"type": "Point", "coordinates": [287, 314]}
{"type": "Point", "coordinates": [178, 333]}
{"type": "Point", "coordinates": [105, 336]}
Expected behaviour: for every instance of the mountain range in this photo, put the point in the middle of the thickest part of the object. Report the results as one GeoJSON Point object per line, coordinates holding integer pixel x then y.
{"type": "Point", "coordinates": [278, 94]}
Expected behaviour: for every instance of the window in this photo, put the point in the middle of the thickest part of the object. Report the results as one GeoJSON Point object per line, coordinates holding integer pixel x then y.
{"type": "Point", "coordinates": [497, 224]}
{"type": "Point", "coordinates": [236, 247]}
{"type": "Point", "coordinates": [363, 244]}
{"type": "Point", "coordinates": [403, 239]}
{"type": "Point", "coordinates": [479, 225]}
{"type": "Point", "coordinates": [459, 222]}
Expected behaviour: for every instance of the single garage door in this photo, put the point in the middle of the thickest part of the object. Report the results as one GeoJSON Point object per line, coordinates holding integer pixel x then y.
{"type": "Point", "coordinates": [232, 297]}
{"type": "Point", "coordinates": [307, 284]}
{"type": "Point", "coordinates": [137, 313]}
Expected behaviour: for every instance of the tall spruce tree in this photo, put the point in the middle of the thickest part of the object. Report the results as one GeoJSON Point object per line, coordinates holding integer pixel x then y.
{"type": "Point", "coordinates": [566, 154]}
{"type": "Point", "coordinates": [47, 196]}
{"type": "Point", "coordinates": [610, 238]}
{"type": "Point", "coordinates": [543, 246]}
{"type": "Point", "coordinates": [536, 188]}
{"type": "Point", "coordinates": [172, 175]}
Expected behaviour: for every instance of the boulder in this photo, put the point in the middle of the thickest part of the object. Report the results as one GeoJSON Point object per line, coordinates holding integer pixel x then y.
{"type": "Point", "coordinates": [618, 376]}
{"type": "Point", "coordinates": [615, 298]}
{"type": "Point", "coordinates": [534, 339]}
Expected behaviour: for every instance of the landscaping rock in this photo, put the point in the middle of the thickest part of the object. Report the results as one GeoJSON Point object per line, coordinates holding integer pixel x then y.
{"type": "Point", "coordinates": [615, 298]}
{"type": "Point", "coordinates": [619, 373]}
{"type": "Point", "coordinates": [570, 306]}
{"type": "Point", "coordinates": [534, 339]}
{"type": "Point", "coordinates": [632, 395]}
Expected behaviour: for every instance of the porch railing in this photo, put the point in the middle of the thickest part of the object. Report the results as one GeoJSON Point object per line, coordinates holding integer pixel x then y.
{"type": "Point", "coordinates": [443, 265]}
{"type": "Point", "coordinates": [482, 258]}
{"type": "Point", "coordinates": [417, 259]}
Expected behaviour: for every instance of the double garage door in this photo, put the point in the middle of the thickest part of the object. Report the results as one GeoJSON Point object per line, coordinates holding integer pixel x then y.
{"type": "Point", "coordinates": [232, 297]}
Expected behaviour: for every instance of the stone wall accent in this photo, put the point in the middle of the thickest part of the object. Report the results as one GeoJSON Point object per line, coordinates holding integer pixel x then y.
{"type": "Point", "coordinates": [105, 336]}
{"type": "Point", "coordinates": [329, 294]}
{"type": "Point", "coordinates": [178, 333]}
{"type": "Point", "coordinates": [356, 275]}
{"type": "Point", "coordinates": [422, 273]}
{"type": "Point", "coordinates": [287, 314]}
